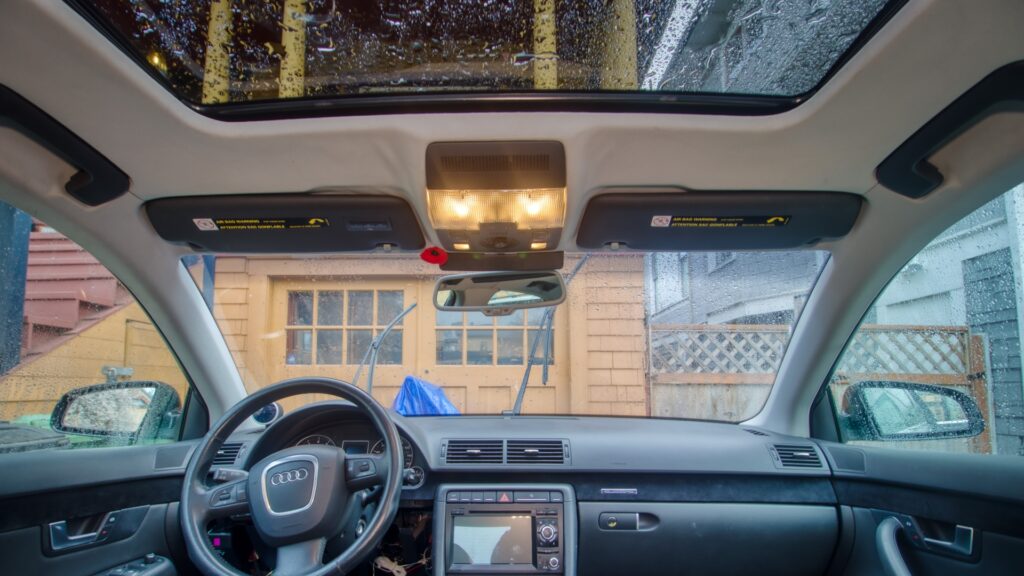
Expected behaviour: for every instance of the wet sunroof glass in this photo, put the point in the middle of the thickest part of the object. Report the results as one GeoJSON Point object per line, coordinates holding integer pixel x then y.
{"type": "Point", "coordinates": [226, 51]}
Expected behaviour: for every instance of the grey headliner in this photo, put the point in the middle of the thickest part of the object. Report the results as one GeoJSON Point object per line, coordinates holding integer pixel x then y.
{"type": "Point", "coordinates": [833, 141]}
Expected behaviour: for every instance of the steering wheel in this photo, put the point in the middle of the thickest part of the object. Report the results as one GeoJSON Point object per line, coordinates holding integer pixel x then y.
{"type": "Point", "coordinates": [296, 496]}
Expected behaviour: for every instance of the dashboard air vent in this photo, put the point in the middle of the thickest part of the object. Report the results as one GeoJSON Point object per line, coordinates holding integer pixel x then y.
{"type": "Point", "coordinates": [755, 432]}
{"type": "Point", "coordinates": [473, 452]}
{"type": "Point", "coordinates": [535, 452]}
{"type": "Point", "coordinates": [796, 456]}
{"type": "Point", "coordinates": [227, 454]}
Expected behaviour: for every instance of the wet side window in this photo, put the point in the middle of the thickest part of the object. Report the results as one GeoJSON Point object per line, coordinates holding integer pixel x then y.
{"type": "Point", "coordinates": [936, 363]}
{"type": "Point", "coordinates": [81, 365]}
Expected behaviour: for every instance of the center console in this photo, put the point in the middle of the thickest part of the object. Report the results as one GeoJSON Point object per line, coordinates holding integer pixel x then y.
{"type": "Point", "coordinates": [504, 529]}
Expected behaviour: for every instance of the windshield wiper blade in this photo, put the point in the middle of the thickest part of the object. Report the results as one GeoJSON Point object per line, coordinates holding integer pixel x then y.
{"type": "Point", "coordinates": [547, 324]}
{"type": "Point", "coordinates": [371, 352]}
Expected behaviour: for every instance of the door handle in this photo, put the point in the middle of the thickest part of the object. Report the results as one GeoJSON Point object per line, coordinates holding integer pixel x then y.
{"type": "Point", "coordinates": [888, 549]}
{"type": "Point", "coordinates": [68, 535]}
{"type": "Point", "coordinates": [61, 539]}
{"type": "Point", "coordinates": [962, 542]}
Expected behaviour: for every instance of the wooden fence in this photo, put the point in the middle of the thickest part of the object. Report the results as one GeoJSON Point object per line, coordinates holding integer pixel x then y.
{"type": "Point", "coordinates": [726, 371]}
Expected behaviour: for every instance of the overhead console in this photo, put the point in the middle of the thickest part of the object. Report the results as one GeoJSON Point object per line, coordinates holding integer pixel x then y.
{"type": "Point", "coordinates": [676, 219]}
{"type": "Point", "coordinates": [292, 223]}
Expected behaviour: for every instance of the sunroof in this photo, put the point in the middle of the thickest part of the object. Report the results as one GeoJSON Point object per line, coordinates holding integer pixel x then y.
{"type": "Point", "coordinates": [216, 52]}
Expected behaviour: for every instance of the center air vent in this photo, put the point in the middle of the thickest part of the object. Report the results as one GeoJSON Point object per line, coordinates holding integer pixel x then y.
{"type": "Point", "coordinates": [795, 456]}
{"type": "Point", "coordinates": [535, 452]}
{"type": "Point", "coordinates": [473, 452]}
{"type": "Point", "coordinates": [227, 454]}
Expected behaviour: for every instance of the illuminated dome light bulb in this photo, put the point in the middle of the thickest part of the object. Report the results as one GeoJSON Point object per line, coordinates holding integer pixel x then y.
{"type": "Point", "coordinates": [460, 209]}
{"type": "Point", "coordinates": [533, 206]}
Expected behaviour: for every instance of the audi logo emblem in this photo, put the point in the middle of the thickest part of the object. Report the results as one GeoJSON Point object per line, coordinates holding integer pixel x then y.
{"type": "Point", "coordinates": [289, 476]}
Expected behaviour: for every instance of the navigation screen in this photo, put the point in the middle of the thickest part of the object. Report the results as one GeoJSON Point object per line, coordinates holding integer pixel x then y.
{"type": "Point", "coordinates": [485, 539]}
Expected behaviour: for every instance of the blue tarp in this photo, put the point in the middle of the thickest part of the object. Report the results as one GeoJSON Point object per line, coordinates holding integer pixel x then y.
{"type": "Point", "coordinates": [421, 398]}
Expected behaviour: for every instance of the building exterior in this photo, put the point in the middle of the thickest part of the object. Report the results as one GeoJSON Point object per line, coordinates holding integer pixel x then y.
{"type": "Point", "coordinates": [287, 317]}
{"type": "Point", "coordinates": [970, 276]}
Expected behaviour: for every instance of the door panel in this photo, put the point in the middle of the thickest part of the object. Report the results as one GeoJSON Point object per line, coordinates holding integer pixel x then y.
{"type": "Point", "coordinates": [117, 505]}
{"type": "Point", "coordinates": [934, 492]}
{"type": "Point", "coordinates": [22, 552]}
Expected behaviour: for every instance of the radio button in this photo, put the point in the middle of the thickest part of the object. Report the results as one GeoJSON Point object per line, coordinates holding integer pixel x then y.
{"type": "Point", "coordinates": [476, 497]}
{"type": "Point", "coordinates": [556, 496]}
{"type": "Point", "coordinates": [532, 497]}
{"type": "Point", "coordinates": [465, 497]}
{"type": "Point", "coordinates": [554, 563]}
{"type": "Point", "coordinates": [452, 497]}
{"type": "Point", "coordinates": [547, 532]}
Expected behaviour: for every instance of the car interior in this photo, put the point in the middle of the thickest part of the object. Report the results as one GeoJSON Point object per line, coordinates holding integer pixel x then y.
{"type": "Point", "coordinates": [456, 287]}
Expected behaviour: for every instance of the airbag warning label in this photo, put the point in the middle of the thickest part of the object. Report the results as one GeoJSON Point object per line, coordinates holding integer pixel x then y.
{"type": "Point", "coordinates": [230, 224]}
{"type": "Point", "coordinates": [772, 221]}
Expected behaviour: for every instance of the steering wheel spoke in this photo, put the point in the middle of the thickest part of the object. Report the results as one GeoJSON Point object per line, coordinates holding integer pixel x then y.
{"type": "Point", "coordinates": [367, 471]}
{"type": "Point", "coordinates": [222, 500]}
{"type": "Point", "coordinates": [300, 558]}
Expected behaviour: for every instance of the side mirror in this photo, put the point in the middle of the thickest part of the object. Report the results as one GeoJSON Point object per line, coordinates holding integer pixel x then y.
{"type": "Point", "coordinates": [131, 411]}
{"type": "Point", "coordinates": [498, 293]}
{"type": "Point", "coordinates": [884, 410]}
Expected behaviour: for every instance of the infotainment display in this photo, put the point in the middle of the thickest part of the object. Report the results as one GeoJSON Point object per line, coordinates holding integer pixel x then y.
{"type": "Point", "coordinates": [492, 539]}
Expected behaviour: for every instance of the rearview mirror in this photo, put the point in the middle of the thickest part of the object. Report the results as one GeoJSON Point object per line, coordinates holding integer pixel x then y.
{"type": "Point", "coordinates": [884, 410]}
{"type": "Point", "coordinates": [131, 410]}
{"type": "Point", "coordinates": [498, 293]}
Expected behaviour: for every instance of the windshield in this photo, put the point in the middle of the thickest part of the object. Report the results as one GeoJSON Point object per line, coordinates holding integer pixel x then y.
{"type": "Point", "coordinates": [227, 51]}
{"type": "Point", "coordinates": [669, 334]}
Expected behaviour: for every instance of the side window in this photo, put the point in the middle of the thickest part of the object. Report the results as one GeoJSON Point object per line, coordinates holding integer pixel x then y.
{"type": "Point", "coordinates": [936, 363]}
{"type": "Point", "coordinates": [81, 365]}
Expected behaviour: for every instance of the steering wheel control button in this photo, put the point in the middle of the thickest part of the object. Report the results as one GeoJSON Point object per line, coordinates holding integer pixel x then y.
{"type": "Point", "coordinates": [618, 520]}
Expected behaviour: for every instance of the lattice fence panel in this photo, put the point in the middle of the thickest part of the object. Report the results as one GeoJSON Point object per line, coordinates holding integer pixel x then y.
{"type": "Point", "coordinates": [906, 351]}
{"type": "Point", "coordinates": [758, 350]}
{"type": "Point", "coordinates": [702, 351]}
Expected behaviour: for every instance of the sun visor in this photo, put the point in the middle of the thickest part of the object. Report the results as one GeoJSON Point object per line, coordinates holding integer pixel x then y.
{"type": "Point", "coordinates": [702, 220]}
{"type": "Point", "coordinates": [287, 223]}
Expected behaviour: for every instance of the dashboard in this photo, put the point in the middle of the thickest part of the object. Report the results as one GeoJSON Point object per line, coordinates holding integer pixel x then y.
{"type": "Point", "coordinates": [590, 495]}
{"type": "Point", "coordinates": [355, 442]}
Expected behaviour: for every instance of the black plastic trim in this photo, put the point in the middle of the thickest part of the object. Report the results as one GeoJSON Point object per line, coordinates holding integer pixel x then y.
{"type": "Point", "coordinates": [97, 181]}
{"type": "Point", "coordinates": [78, 502]}
{"type": "Point", "coordinates": [979, 513]}
{"type": "Point", "coordinates": [765, 489]}
{"type": "Point", "coordinates": [470, 102]}
{"type": "Point", "coordinates": [907, 170]}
